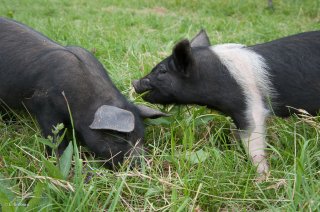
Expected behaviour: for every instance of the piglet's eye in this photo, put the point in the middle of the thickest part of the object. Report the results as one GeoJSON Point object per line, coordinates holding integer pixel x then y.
{"type": "Point", "coordinates": [162, 71]}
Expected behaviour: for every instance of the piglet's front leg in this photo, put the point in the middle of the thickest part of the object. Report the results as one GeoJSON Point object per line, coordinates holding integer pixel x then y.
{"type": "Point", "coordinates": [253, 139]}
{"type": "Point", "coordinates": [255, 146]}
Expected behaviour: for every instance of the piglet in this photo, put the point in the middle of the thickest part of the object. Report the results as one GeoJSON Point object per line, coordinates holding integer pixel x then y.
{"type": "Point", "coordinates": [247, 83]}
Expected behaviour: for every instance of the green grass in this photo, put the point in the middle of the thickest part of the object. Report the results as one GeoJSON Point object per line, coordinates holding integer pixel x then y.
{"type": "Point", "coordinates": [195, 164]}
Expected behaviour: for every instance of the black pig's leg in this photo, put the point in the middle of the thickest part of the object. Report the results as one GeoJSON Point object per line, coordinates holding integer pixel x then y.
{"type": "Point", "coordinates": [47, 120]}
{"type": "Point", "coordinates": [47, 117]}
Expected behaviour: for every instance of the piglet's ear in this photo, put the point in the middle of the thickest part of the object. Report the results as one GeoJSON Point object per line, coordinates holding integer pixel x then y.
{"type": "Point", "coordinates": [182, 56]}
{"type": "Point", "coordinates": [113, 118]}
{"type": "Point", "coordinates": [147, 112]}
{"type": "Point", "coordinates": [201, 39]}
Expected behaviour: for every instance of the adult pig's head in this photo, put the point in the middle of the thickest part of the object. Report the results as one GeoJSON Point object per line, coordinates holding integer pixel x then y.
{"type": "Point", "coordinates": [175, 78]}
{"type": "Point", "coordinates": [116, 133]}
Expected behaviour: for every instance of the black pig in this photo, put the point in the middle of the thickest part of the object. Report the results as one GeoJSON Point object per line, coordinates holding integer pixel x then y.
{"type": "Point", "coordinates": [34, 71]}
{"type": "Point", "coordinates": [246, 83]}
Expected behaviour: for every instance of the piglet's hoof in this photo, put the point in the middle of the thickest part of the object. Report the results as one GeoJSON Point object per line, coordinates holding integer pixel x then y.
{"type": "Point", "coordinates": [263, 172]}
{"type": "Point", "coordinates": [262, 177]}
{"type": "Point", "coordinates": [262, 169]}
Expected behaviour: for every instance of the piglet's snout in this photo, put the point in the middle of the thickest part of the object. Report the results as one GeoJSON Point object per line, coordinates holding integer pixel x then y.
{"type": "Point", "coordinates": [142, 85]}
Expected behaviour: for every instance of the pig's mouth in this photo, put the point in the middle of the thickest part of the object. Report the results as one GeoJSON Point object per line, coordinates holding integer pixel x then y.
{"type": "Point", "coordinates": [142, 86]}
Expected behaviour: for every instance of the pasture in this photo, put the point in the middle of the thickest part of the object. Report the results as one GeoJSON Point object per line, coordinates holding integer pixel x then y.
{"type": "Point", "coordinates": [194, 162]}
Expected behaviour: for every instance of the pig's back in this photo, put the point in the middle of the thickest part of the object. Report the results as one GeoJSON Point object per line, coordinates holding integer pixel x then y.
{"type": "Point", "coordinates": [15, 34]}
{"type": "Point", "coordinates": [294, 68]}
{"type": "Point", "coordinates": [22, 52]}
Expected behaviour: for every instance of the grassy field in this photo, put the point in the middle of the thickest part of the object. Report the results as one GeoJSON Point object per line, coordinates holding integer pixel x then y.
{"type": "Point", "coordinates": [195, 164]}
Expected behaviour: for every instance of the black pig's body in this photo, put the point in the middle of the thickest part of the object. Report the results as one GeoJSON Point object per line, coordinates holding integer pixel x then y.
{"type": "Point", "coordinates": [34, 71]}
{"type": "Point", "coordinates": [246, 83]}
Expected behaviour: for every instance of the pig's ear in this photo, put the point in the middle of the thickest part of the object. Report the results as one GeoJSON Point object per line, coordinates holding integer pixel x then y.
{"type": "Point", "coordinates": [201, 39]}
{"type": "Point", "coordinates": [113, 118]}
{"type": "Point", "coordinates": [147, 112]}
{"type": "Point", "coordinates": [182, 56]}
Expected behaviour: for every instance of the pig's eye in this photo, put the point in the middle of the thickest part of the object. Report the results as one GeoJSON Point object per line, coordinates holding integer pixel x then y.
{"type": "Point", "coordinates": [161, 74]}
{"type": "Point", "coordinates": [162, 71]}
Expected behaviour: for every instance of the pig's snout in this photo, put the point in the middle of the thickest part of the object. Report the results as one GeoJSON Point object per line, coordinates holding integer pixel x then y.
{"type": "Point", "coordinates": [135, 84]}
{"type": "Point", "coordinates": [142, 85]}
{"type": "Point", "coordinates": [136, 156]}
